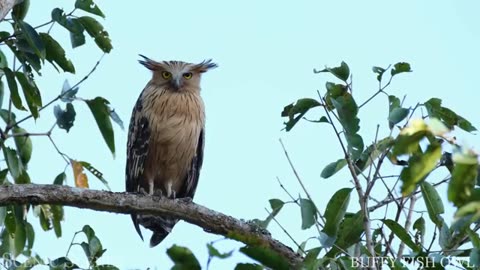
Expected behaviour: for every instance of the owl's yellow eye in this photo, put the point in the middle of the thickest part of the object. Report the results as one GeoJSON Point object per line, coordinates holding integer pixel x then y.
{"type": "Point", "coordinates": [166, 75]}
{"type": "Point", "coordinates": [187, 75]}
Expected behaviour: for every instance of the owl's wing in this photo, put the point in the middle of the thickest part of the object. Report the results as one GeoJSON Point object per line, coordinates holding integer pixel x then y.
{"type": "Point", "coordinates": [191, 181]}
{"type": "Point", "coordinates": [137, 150]}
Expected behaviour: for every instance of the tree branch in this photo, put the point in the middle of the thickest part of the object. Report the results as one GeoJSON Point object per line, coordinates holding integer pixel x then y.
{"type": "Point", "coordinates": [127, 203]}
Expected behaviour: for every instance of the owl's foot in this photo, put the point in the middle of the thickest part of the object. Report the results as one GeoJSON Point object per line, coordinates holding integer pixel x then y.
{"type": "Point", "coordinates": [142, 191]}
{"type": "Point", "coordinates": [158, 193]}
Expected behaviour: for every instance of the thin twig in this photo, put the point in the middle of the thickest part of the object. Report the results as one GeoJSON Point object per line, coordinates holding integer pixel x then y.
{"type": "Point", "coordinates": [286, 232]}
{"type": "Point", "coordinates": [408, 222]}
{"type": "Point", "coordinates": [288, 193]}
{"type": "Point", "coordinates": [302, 185]}
{"type": "Point", "coordinates": [363, 200]}
{"type": "Point", "coordinates": [9, 126]}
{"type": "Point", "coordinates": [380, 90]}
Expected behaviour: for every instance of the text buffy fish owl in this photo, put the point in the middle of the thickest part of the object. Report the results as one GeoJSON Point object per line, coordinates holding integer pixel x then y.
{"type": "Point", "coordinates": [166, 138]}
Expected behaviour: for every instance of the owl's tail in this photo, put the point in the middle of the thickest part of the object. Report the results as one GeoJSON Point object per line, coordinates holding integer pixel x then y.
{"type": "Point", "coordinates": [160, 226]}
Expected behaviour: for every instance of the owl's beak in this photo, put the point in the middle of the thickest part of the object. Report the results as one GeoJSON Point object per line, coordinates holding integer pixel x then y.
{"type": "Point", "coordinates": [176, 83]}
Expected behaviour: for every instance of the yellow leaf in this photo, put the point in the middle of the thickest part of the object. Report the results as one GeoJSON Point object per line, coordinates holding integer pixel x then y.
{"type": "Point", "coordinates": [80, 177]}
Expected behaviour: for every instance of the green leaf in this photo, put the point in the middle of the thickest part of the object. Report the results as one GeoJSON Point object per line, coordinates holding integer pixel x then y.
{"type": "Point", "coordinates": [73, 25]}
{"type": "Point", "coordinates": [248, 266]}
{"type": "Point", "coordinates": [334, 91]}
{"type": "Point", "coordinates": [347, 112]}
{"type": "Point", "coordinates": [20, 10]}
{"type": "Point", "coordinates": [45, 215]}
{"type": "Point", "coordinates": [309, 213]}
{"type": "Point", "coordinates": [10, 222]}
{"type": "Point", "coordinates": [31, 92]}
{"type": "Point", "coordinates": [13, 163]}
{"type": "Point", "coordinates": [276, 206]}
{"type": "Point", "coordinates": [310, 262]}
{"type": "Point", "coordinates": [213, 252]}
{"type": "Point", "coordinates": [433, 202]}
{"type": "Point", "coordinates": [2, 93]}
{"type": "Point", "coordinates": [116, 118]}
{"type": "Point", "coordinates": [445, 239]}
{"type": "Point", "coordinates": [402, 234]}
{"type": "Point", "coordinates": [419, 225]}
{"type": "Point", "coordinates": [297, 111]}
{"type": "Point", "coordinates": [95, 30]}
{"type": "Point", "coordinates": [3, 214]}
{"type": "Point", "coordinates": [393, 103]}
{"type": "Point", "coordinates": [30, 233]}
{"type": "Point", "coordinates": [68, 93]}
{"type": "Point", "coordinates": [333, 168]}
{"type": "Point", "coordinates": [351, 229]}
{"type": "Point", "coordinates": [57, 217]}
{"type": "Point", "coordinates": [266, 257]}
{"type": "Point", "coordinates": [397, 115]}
{"type": "Point", "coordinates": [342, 72]}
{"type": "Point", "coordinates": [89, 6]}
{"type": "Point", "coordinates": [335, 211]}
{"type": "Point", "coordinates": [400, 68]}
{"type": "Point", "coordinates": [62, 263]}
{"type": "Point", "coordinates": [448, 117]}
{"type": "Point", "coordinates": [183, 258]}
{"type": "Point", "coordinates": [475, 239]}
{"type": "Point", "coordinates": [12, 85]}
{"type": "Point", "coordinates": [463, 181]}
{"type": "Point", "coordinates": [95, 172]}
{"type": "Point", "coordinates": [101, 112]}
{"type": "Point", "coordinates": [93, 250]}
{"type": "Point", "coordinates": [379, 72]}
{"type": "Point", "coordinates": [3, 60]}
{"type": "Point", "coordinates": [24, 178]}
{"type": "Point", "coordinates": [60, 179]}
{"type": "Point", "coordinates": [77, 39]}
{"type": "Point", "coordinates": [419, 166]}
{"type": "Point", "coordinates": [19, 238]}
{"type": "Point", "coordinates": [355, 145]}
{"type": "Point", "coordinates": [55, 54]}
{"type": "Point", "coordinates": [33, 39]}
{"type": "Point", "coordinates": [474, 258]}
{"type": "Point", "coordinates": [23, 144]}
{"type": "Point", "coordinates": [65, 118]}
{"type": "Point", "coordinates": [372, 153]}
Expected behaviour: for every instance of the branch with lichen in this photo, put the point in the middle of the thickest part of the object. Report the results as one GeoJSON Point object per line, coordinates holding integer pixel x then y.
{"type": "Point", "coordinates": [128, 203]}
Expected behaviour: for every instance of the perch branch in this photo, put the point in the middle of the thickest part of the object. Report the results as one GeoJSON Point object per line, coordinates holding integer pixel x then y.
{"type": "Point", "coordinates": [127, 203]}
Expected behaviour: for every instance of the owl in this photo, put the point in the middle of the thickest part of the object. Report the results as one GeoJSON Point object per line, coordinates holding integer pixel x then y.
{"type": "Point", "coordinates": [166, 138]}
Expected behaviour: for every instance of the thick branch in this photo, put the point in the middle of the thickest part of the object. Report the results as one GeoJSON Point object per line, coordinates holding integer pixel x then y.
{"type": "Point", "coordinates": [127, 203]}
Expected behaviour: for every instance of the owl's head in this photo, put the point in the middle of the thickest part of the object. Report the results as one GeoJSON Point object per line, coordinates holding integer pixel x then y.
{"type": "Point", "coordinates": [177, 75]}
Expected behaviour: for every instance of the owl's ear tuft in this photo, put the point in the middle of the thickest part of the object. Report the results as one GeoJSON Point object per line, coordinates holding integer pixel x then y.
{"type": "Point", "coordinates": [148, 63]}
{"type": "Point", "coordinates": [204, 66]}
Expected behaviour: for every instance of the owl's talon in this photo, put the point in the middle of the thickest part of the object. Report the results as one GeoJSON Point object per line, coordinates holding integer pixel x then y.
{"type": "Point", "coordinates": [158, 193]}
{"type": "Point", "coordinates": [142, 191]}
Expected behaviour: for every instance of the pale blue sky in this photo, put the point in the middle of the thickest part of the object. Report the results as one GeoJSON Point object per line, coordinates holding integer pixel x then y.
{"type": "Point", "coordinates": [266, 51]}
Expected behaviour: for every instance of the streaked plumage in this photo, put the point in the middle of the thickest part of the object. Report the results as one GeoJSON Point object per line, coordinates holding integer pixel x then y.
{"type": "Point", "coordinates": [166, 138]}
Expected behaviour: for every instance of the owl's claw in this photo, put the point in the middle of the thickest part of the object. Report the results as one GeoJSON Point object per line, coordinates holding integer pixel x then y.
{"type": "Point", "coordinates": [142, 191]}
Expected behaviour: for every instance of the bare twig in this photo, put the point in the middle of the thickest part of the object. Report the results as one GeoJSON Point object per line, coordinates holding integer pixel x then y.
{"type": "Point", "coordinates": [317, 224]}
{"type": "Point", "coordinates": [363, 200]}
{"type": "Point", "coordinates": [286, 232]}
{"type": "Point", "coordinates": [10, 125]}
{"type": "Point", "coordinates": [408, 222]}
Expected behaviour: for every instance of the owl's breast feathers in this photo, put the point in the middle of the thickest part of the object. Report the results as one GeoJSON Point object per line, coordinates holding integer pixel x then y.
{"type": "Point", "coordinates": [165, 145]}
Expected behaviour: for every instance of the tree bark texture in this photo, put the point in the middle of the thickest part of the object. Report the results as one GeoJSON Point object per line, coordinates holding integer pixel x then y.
{"type": "Point", "coordinates": [127, 203]}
